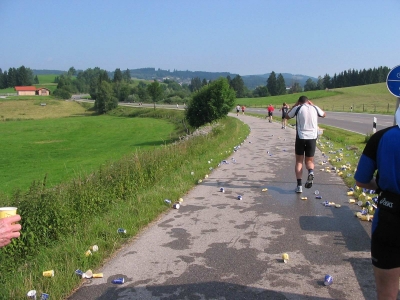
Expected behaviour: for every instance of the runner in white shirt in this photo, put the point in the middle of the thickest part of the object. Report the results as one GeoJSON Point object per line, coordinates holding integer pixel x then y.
{"type": "Point", "coordinates": [306, 114]}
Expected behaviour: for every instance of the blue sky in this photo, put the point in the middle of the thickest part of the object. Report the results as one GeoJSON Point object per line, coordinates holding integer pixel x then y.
{"type": "Point", "coordinates": [246, 37]}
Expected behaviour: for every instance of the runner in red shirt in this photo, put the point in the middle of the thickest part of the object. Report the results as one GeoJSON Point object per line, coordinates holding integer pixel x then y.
{"type": "Point", "coordinates": [270, 109]}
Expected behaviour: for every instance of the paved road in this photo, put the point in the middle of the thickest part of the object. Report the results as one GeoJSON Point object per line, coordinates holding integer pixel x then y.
{"type": "Point", "coordinates": [218, 247]}
{"type": "Point", "coordinates": [356, 122]}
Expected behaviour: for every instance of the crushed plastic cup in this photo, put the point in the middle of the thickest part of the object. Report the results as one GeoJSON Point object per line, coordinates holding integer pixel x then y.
{"type": "Point", "coordinates": [222, 190]}
{"type": "Point", "coordinates": [118, 281]}
{"type": "Point", "coordinates": [200, 181]}
{"type": "Point", "coordinates": [88, 253]}
{"type": "Point", "coordinates": [191, 173]}
{"type": "Point", "coordinates": [338, 206]}
{"type": "Point", "coordinates": [350, 193]}
{"type": "Point", "coordinates": [285, 257]}
{"type": "Point", "coordinates": [31, 294]}
{"type": "Point", "coordinates": [304, 198]}
{"type": "Point", "coordinates": [352, 201]}
{"type": "Point", "coordinates": [180, 200]}
{"type": "Point", "coordinates": [205, 176]}
{"type": "Point", "coordinates": [49, 273]}
{"type": "Point", "coordinates": [44, 296]}
{"type": "Point", "coordinates": [94, 248]}
{"type": "Point", "coordinates": [316, 192]}
{"type": "Point", "coordinates": [167, 201]}
{"type": "Point", "coordinates": [176, 206]}
{"type": "Point", "coordinates": [328, 280]}
{"type": "Point", "coordinates": [98, 275]}
{"type": "Point", "coordinates": [360, 203]}
{"type": "Point", "coordinates": [6, 212]}
{"type": "Point", "coordinates": [121, 230]}
{"type": "Point", "coordinates": [88, 274]}
{"type": "Point", "coordinates": [264, 190]}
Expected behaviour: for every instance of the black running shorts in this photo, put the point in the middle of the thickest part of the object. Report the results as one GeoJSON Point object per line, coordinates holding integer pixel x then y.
{"type": "Point", "coordinates": [305, 147]}
{"type": "Point", "coordinates": [385, 242]}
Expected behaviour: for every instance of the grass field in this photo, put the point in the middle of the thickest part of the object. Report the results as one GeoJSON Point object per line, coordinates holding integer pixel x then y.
{"type": "Point", "coordinates": [373, 98]}
{"type": "Point", "coordinates": [32, 109]}
{"type": "Point", "coordinates": [66, 147]}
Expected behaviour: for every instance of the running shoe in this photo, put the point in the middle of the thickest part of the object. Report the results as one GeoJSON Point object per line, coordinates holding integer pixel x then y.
{"type": "Point", "coordinates": [309, 181]}
{"type": "Point", "coordinates": [299, 189]}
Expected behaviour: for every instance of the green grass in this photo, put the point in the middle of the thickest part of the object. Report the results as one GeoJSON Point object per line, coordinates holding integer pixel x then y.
{"type": "Point", "coordinates": [373, 98]}
{"type": "Point", "coordinates": [22, 109]}
{"type": "Point", "coordinates": [131, 192]}
{"type": "Point", "coordinates": [43, 79]}
{"type": "Point", "coordinates": [66, 147]}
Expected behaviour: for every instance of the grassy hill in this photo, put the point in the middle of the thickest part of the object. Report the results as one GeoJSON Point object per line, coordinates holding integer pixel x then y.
{"type": "Point", "coordinates": [373, 98]}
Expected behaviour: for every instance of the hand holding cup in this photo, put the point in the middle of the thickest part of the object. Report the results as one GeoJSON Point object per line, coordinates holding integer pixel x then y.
{"type": "Point", "coordinates": [9, 229]}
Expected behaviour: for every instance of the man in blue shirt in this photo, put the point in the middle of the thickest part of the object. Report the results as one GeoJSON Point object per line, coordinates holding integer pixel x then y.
{"type": "Point", "coordinates": [382, 154]}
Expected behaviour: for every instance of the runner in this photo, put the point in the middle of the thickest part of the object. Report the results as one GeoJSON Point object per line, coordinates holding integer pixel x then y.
{"type": "Point", "coordinates": [270, 112]}
{"type": "Point", "coordinates": [243, 108]}
{"type": "Point", "coordinates": [237, 109]}
{"type": "Point", "coordinates": [306, 114]}
{"type": "Point", "coordinates": [284, 109]}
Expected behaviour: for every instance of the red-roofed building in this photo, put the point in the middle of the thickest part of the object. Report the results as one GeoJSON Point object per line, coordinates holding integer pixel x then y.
{"type": "Point", "coordinates": [31, 91]}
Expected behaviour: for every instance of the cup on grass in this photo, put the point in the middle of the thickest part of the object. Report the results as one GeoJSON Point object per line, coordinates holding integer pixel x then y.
{"type": "Point", "coordinates": [6, 212]}
{"type": "Point", "coordinates": [49, 273]}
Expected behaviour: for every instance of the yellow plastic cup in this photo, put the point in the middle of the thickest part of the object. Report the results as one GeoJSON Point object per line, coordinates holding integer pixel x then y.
{"type": "Point", "coordinates": [351, 193]}
{"type": "Point", "coordinates": [98, 275]}
{"type": "Point", "coordinates": [49, 273]}
{"type": "Point", "coordinates": [6, 212]}
{"type": "Point", "coordinates": [285, 257]}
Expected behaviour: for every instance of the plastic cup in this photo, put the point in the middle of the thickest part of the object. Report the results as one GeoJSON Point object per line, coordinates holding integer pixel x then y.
{"type": "Point", "coordinates": [49, 273]}
{"type": "Point", "coordinates": [285, 257]}
{"type": "Point", "coordinates": [6, 212]}
{"type": "Point", "coordinates": [118, 281]}
{"type": "Point", "coordinates": [45, 296]}
{"type": "Point", "coordinates": [31, 294]}
{"type": "Point", "coordinates": [98, 275]}
{"type": "Point", "coordinates": [94, 248]}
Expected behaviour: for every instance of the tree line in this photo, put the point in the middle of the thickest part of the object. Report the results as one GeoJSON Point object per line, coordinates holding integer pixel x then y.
{"type": "Point", "coordinates": [21, 76]}
{"type": "Point", "coordinates": [348, 78]}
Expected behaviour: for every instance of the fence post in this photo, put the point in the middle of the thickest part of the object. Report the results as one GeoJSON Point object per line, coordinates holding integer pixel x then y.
{"type": "Point", "coordinates": [374, 125]}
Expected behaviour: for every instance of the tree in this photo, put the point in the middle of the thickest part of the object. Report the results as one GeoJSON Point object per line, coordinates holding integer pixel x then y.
{"type": "Point", "coordinates": [327, 81]}
{"type": "Point", "coordinates": [310, 85]}
{"type": "Point", "coordinates": [237, 84]}
{"type": "Point", "coordinates": [126, 75]}
{"type": "Point", "coordinates": [36, 80]}
{"type": "Point", "coordinates": [271, 84]}
{"type": "Point", "coordinates": [12, 77]}
{"type": "Point", "coordinates": [195, 84]}
{"type": "Point", "coordinates": [117, 75]}
{"type": "Point", "coordinates": [320, 83]}
{"type": "Point", "coordinates": [204, 82]}
{"type": "Point", "coordinates": [155, 91]}
{"type": "Point", "coordinates": [1, 79]}
{"type": "Point", "coordinates": [261, 91]}
{"type": "Point", "coordinates": [210, 103]}
{"type": "Point", "coordinates": [71, 71]}
{"type": "Point", "coordinates": [295, 88]}
{"type": "Point", "coordinates": [105, 100]}
{"type": "Point", "coordinates": [280, 85]}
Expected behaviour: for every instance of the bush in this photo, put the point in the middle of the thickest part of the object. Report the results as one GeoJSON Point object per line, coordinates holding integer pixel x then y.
{"type": "Point", "coordinates": [62, 93]}
{"type": "Point", "coordinates": [210, 103]}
